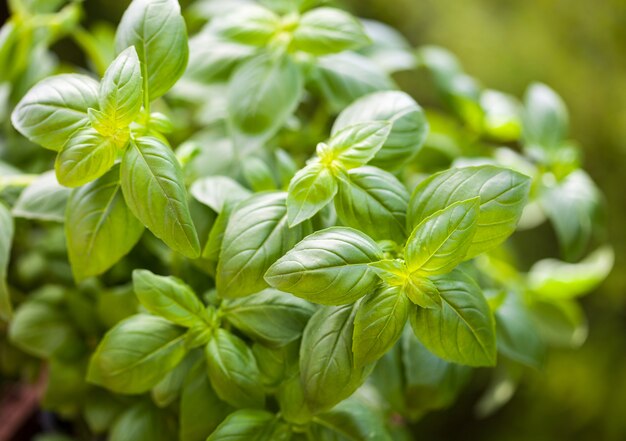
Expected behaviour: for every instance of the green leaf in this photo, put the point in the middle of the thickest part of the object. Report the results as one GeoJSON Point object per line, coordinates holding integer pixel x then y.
{"type": "Point", "coordinates": [310, 190]}
{"type": "Point", "coordinates": [545, 117]}
{"type": "Point", "coordinates": [329, 267]}
{"type": "Point", "coordinates": [271, 317]}
{"type": "Point", "coordinates": [263, 93]}
{"type": "Point", "coordinates": [572, 205]}
{"type": "Point", "coordinates": [257, 234]}
{"type": "Point", "coordinates": [430, 382]}
{"type": "Point", "coordinates": [201, 410]}
{"type": "Point", "coordinates": [463, 329]}
{"type": "Point", "coordinates": [99, 227]}
{"type": "Point", "coordinates": [248, 24]}
{"type": "Point", "coordinates": [136, 354]}
{"type": "Point", "coordinates": [157, 30]}
{"type": "Point", "coordinates": [101, 409]}
{"type": "Point", "coordinates": [55, 108]}
{"type": "Point", "coordinates": [143, 422]}
{"type": "Point", "coordinates": [517, 335]}
{"type": "Point", "coordinates": [45, 199]}
{"type": "Point", "coordinates": [440, 242]}
{"type": "Point", "coordinates": [553, 279]}
{"type": "Point", "coordinates": [354, 420]}
{"type": "Point", "coordinates": [233, 371]}
{"type": "Point", "coordinates": [121, 89]}
{"type": "Point", "coordinates": [355, 145]}
{"type": "Point", "coordinates": [251, 425]}
{"type": "Point", "coordinates": [561, 323]}
{"type": "Point", "coordinates": [154, 189]}
{"type": "Point", "coordinates": [342, 78]}
{"type": "Point", "coordinates": [6, 238]}
{"type": "Point", "coordinates": [503, 194]}
{"type": "Point", "coordinates": [373, 201]}
{"type": "Point", "coordinates": [258, 174]}
{"type": "Point", "coordinates": [290, 397]}
{"type": "Point", "coordinates": [378, 324]}
{"type": "Point", "coordinates": [86, 156]}
{"type": "Point", "coordinates": [276, 363]}
{"type": "Point", "coordinates": [42, 329]}
{"type": "Point", "coordinates": [216, 191]}
{"type": "Point", "coordinates": [168, 390]}
{"type": "Point", "coordinates": [168, 297]}
{"type": "Point", "coordinates": [327, 369]}
{"type": "Point", "coordinates": [409, 125]}
{"type": "Point", "coordinates": [324, 31]}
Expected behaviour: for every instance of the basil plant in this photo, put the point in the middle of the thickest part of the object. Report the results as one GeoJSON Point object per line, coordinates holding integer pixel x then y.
{"type": "Point", "coordinates": [238, 226]}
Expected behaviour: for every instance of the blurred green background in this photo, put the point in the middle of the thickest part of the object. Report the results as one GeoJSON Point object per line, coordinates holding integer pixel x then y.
{"type": "Point", "coordinates": [579, 49]}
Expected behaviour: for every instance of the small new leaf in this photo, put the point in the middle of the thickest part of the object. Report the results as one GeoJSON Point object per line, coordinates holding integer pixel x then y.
{"type": "Point", "coordinates": [121, 89]}
{"type": "Point", "coordinates": [310, 190]}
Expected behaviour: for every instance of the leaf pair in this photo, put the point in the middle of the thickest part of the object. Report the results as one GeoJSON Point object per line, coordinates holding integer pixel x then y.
{"type": "Point", "coordinates": [313, 187]}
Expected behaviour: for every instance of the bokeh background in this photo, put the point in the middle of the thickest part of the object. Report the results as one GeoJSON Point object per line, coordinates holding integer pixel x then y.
{"type": "Point", "coordinates": [577, 47]}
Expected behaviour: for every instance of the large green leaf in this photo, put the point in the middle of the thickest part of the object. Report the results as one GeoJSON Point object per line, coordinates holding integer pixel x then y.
{"type": "Point", "coordinates": [463, 329]}
{"type": "Point", "coordinates": [233, 371]}
{"type": "Point", "coordinates": [168, 297]}
{"type": "Point", "coordinates": [6, 238]}
{"type": "Point", "coordinates": [323, 31]}
{"type": "Point", "coordinates": [121, 89]}
{"type": "Point", "coordinates": [201, 410]}
{"type": "Point", "coordinates": [378, 324]}
{"type": "Point", "coordinates": [263, 92]}
{"type": "Point", "coordinates": [157, 30]}
{"type": "Point", "coordinates": [45, 199]}
{"type": "Point", "coordinates": [55, 108]}
{"type": "Point", "coordinates": [136, 354]}
{"type": "Point", "coordinates": [251, 425]}
{"type": "Point", "coordinates": [86, 156]}
{"type": "Point", "coordinates": [271, 317]}
{"type": "Point", "coordinates": [441, 241]}
{"type": "Point", "coordinates": [329, 267]}
{"type": "Point", "coordinates": [327, 369]}
{"type": "Point", "coordinates": [154, 189]}
{"type": "Point", "coordinates": [373, 201]}
{"type": "Point", "coordinates": [310, 190]}
{"type": "Point", "coordinates": [257, 234]}
{"type": "Point", "coordinates": [408, 132]}
{"type": "Point", "coordinates": [503, 194]}
{"type": "Point", "coordinates": [99, 227]}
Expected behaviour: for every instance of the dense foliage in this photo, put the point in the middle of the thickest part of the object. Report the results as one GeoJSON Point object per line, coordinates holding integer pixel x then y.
{"type": "Point", "coordinates": [319, 258]}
